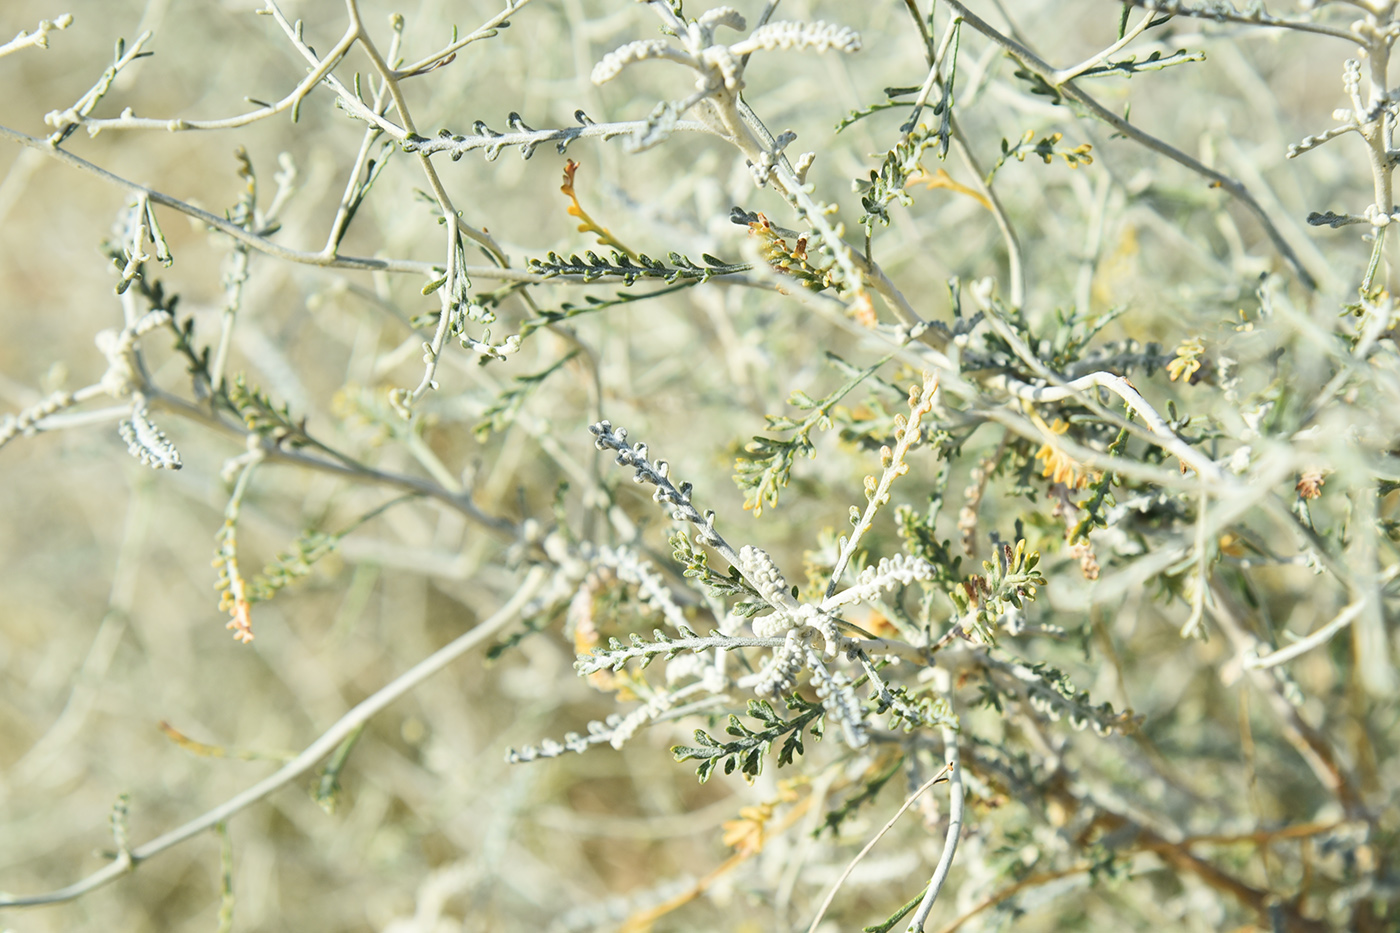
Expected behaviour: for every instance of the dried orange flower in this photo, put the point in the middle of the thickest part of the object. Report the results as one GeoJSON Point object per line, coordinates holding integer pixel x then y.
{"type": "Point", "coordinates": [1310, 484]}
{"type": "Point", "coordinates": [1083, 552]}
{"type": "Point", "coordinates": [588, 224]}
{"type": "Point", "coordinates": [746, 835]}
{"type": "Point", "coordinates": [1060, 466]}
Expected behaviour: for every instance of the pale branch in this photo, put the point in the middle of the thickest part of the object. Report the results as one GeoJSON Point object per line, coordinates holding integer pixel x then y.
{"type": "Point", "coordinates": [526, 139]}
{"type": "Point", "coordinates": [1253, 15]}
{"type": "Point", "coordinates": [262, 244]}
{"type": "Point", "coordinates": [39, 38]}
{"type": "Point", "coordinates": [910, 433]}
{"type": "Point", "coordinates": [323, 258]}
{"type": "Point", "coordinates": [1313, 745]}
{"type": "Point", "coordinates": [1036, 65]}
{"type": "Point", "coordinates": [1253, 661]}
{"type": "Point", "coordinates": [613, 657]}
{"type": "Point", "coordinates": [850, 867]}
{"type": "Point", "coordinates": [488, 30]}
{"type": "Point", "coordinates": [62, 120]}
{"type": "Point", "coordinates": [324, 745]}
{"type": "Point", "coordinates": [950, 841]}
{"type": "Point", "coordinates": [342, 466]}
{"type": "Point", "coordinates": [1015, 266]}
{"type": "Point", "coordinates": [1069, 74]}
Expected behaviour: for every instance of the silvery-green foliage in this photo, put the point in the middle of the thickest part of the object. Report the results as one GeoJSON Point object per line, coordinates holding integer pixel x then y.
{"type": "Point", "coordinates": [146, 442]}
{"type": "Point", "coordinates": [1019, 386]}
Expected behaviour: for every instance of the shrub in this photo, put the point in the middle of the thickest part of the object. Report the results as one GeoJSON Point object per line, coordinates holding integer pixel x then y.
{"type": "Point", "coordinates": [1111, 604]}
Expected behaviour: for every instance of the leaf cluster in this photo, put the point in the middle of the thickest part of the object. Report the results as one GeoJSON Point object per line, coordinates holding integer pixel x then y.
{"type": "Point", "coordinates": [586, 222]}
{"type": "Point", "coordinates": [1047, 148]}
{"type": "Point", "coordinates": [1007, 583]}
{"type": "Point", "coordinates": [695, 564]}
{"type": "Point", "coordinates": [748, 747]}
{"type": "Point", "coordinates": [631, 269]}
{"type": "Point", "coordinates": [501, 413]}
{"type": "Point", "coordinates": [870, 788]}
{"type": "Point", "coordinates": [795, 261]}
{"type": "Point", "coordinates": [1100, 497]}
{"type": "Point", "coordinates": [764, 466]}
{"type": "Point", "coordinates": [261, 415]}
{"type": "Point", "coordinates": [887, 183]}
{"type": "Point", "coordinates": [615, 655]}
{"type": "Point", "coordinates": [289, 566]}
{"type": "Point", "coordinates": [920, 536]}
{"type": "Point", "coordinates": [1155, 61]}
{"type": "Point", "coordinates": [1053, 694]}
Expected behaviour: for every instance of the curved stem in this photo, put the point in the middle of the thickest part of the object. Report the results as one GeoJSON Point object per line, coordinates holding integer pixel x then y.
{"type": "Point", "coordinates": [259, 243]}
{"type": "Point", "coordinates": [345, 467]}
{"type": "Point", "coordinates": [320, 69]}
{"type": "Point", "coordinates": [302, 763]}
{"type": "Point", "coordinates": [831, 895]}
{"type": "Point", "coordinates": [1015, 268]}
{"type": "Point", "coordinates": [1032, 62]}
{"type": "Point", "coordinates": [950, 843]}
{"type": "Point", "coordinates": [1223, 12]}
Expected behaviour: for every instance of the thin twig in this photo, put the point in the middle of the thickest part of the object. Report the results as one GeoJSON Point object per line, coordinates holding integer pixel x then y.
{"type": "Point", "coordinates": [910, 434]}
{"type": "Point", "coordinates": [1261, 837]}
{"type": "Point", "coordinates": [831, 894]}
{"type": "Point", "coordinates": [950, 843]}
{"type": "Point", "coordinates": [1015, 268]}
{"type": "Point", "coordinates": [487, 30]}
{"type": "Point", "coordinates": [303, 762]}
{"type": "Point", "coordinates": [345, 467]}
{"type": "Point", "coordinates": [1256, 16]}
{"type": "Point", "coordinates": [1313, 745]}
{"type": "Point", "coordinates": [128, 121]}
{"type": "Point", "coordinates": [1068, 74]}
{"type": "Point", "coordinates": [320, 258]}
{"type": "Point", "coordinates": [259, 243]}
{"type": "Point", "coordinates": [1321, 636]}
{"type": "Point", "coordinates": [39, 38]}
{"type": "Point", "coordinates": [1032, 62]}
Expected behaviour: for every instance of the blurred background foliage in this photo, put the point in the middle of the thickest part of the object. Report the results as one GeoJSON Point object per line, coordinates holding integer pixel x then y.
{"type": "Point", "coordinates": [109, 624]}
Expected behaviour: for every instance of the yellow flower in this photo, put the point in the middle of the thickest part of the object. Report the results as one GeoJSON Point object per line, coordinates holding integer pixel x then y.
{"type": "Point", "coordinates": [1188, 360]}
{"type": "Point", "coordinates": [747, 834]}
{"type": "Point", "coordinates": [1060, 466]}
